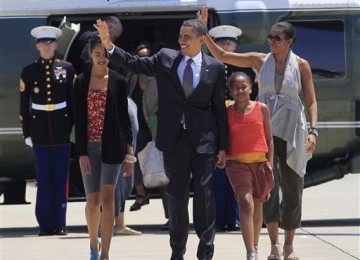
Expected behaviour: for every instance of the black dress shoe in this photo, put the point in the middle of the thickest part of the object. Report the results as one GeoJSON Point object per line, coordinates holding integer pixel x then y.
{"type": "Point", "coordinates": [60, 232]}
{"type": "Point", "coordinates": [220, 228]}
{"type": "Point", "coordinates": [233, 228]}
{"type": "Point", "coordinates": [43, 233]}
{"type": "Point", "coordinates": [165, 226]}
{"type": "Point", "coordinates": [176, 257]}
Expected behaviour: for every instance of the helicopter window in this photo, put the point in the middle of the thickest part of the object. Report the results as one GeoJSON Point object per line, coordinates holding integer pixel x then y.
{"type": "Point", "coordinates": [322, 44]}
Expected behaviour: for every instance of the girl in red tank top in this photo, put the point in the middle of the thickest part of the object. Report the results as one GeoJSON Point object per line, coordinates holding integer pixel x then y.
{"type": "Point", "coordinates": [250, 157]}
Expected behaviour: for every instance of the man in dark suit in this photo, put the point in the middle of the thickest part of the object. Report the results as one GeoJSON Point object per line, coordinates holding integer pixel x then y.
{"type": "Point", "coordinates": [191, 130]}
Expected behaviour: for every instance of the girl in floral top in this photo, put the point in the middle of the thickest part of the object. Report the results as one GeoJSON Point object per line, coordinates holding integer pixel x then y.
{"type": "Point", "coordinates": [103, 143]}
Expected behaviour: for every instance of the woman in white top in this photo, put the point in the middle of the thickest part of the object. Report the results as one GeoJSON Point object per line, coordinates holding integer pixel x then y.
{"type": "Point", "coordinates": [282, 76]}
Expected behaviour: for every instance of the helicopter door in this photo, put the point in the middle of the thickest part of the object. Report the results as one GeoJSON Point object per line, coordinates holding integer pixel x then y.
{"type": "Point", "coordinates": [69, 32]}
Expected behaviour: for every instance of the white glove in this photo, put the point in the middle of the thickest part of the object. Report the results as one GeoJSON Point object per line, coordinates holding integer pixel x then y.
{"type": "Point", "coordinates": [28, 141]}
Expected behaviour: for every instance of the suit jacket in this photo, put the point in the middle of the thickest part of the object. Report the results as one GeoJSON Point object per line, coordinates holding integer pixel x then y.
{"type": "Point", "coordinates": [43, 83]}
{"type": "Point", "coordinates": [204, 109]}
{"type": "Point", "coordinates": [117, 127]}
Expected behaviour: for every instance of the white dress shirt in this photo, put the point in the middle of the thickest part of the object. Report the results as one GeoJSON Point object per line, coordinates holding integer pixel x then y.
{"type": "Point", "coordinates": [196, 67]}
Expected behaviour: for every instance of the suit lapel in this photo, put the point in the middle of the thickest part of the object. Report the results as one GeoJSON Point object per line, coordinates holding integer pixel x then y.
{"type": "Point", "coordinates": [204, 72]}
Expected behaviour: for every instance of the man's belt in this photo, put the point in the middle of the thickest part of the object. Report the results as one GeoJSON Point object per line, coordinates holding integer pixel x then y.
{"type": "Point", "coordinates": [48, 107]}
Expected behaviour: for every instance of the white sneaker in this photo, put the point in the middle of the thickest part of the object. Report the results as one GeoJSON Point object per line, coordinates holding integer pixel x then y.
{"type": "Point", "coordinates": [125, 231]}
{"type": "Point", "coordinates": [251, 256]}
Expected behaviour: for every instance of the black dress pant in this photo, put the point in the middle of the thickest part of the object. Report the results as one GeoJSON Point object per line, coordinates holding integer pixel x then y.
{"type": "Point", "coordinates": [180, 164]}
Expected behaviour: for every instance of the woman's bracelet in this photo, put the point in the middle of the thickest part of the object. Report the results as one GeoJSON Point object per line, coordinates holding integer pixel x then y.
{"type": "Point", "coordinates": [130, 158]}
{"type": "Point", "coordinates": [313, 131]}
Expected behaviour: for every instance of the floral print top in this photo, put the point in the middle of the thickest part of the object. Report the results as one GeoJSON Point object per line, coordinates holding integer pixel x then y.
{"type": "Point", "coordinates": [96, 113]}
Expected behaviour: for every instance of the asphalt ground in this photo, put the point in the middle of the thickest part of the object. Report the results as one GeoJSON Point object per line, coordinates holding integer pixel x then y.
{"type": "Point", "coordinates": [330, 230]}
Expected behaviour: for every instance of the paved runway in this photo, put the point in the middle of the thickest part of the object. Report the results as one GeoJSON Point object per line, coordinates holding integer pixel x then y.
{"type": "Point", "coordinates": [330, 230]}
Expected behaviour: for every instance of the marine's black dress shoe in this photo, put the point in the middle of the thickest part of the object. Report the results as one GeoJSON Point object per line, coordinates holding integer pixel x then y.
{"type": "Point", "coordinates": [220, 228]}
{"type": "Point", "coordinates": [60, 232]}
{"type": "Point", "coordinates": [230, 228]}
{"type": "Point", "coordinates": [43, 233]}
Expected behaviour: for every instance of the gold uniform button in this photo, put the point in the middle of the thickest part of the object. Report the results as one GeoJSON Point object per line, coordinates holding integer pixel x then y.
{"type": "Point", "coordinates": [48, 73]}
{"type": "Point", "coordinates": [34, 116]}
{"type": "Point", "coordinates": [48, 86]}
{"type": "Point", "coordinates": [65, 115]}
{"type": "Point", "coordinates": [49, 92]}
{"type": "Point", "coordinates": [47, 79]}
{"type": "Point", "coordinates": [60, 80]}
{"type": "Point", "coordinates": [49, 99]}
{"type": "Point", "coordinates": [47, 67]}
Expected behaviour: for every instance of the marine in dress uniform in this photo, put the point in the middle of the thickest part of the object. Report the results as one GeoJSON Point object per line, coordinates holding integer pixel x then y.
{"type": "Point", "coordinates": [47, 119]}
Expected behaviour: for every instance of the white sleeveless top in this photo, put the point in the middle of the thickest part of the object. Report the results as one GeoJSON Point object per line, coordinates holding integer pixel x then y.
{"type": "Point", "coordinates": [288, 120]}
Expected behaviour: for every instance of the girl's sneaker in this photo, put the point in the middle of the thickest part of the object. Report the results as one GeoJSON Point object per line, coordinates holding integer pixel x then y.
{"type": "Point", "coordinates": [95, 255]}
{"type": "Point", "coordinates": [251, 256]}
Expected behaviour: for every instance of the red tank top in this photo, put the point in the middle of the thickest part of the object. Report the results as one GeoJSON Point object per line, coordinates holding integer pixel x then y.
{"type": "Point", "coordinates": [246, 131]}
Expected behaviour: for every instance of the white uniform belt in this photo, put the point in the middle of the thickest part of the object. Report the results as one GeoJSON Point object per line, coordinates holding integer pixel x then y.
{"type": "Point", "coordinates": [48, 107]}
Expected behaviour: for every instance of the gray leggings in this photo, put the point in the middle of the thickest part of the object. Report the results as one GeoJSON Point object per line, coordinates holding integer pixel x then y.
{"type": "Point", "coordinates": [101, 173]}
{"type": "Point", "coordinates": [287, 212]}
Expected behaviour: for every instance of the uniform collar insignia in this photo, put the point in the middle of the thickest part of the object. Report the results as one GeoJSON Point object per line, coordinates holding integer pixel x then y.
{"type": "Point", "coordinates": [46, 62]}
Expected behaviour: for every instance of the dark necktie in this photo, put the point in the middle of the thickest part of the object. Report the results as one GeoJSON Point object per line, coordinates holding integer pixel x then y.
{"type": "Point", "coordinates": [188, 78]}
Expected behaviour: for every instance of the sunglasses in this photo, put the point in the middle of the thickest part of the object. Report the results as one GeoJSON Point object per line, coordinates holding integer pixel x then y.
{"type": "Point", "coordinates": [274, 38]}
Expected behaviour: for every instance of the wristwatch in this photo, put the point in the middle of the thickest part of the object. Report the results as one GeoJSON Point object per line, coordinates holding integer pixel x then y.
{"type": "Point", "coordinates": [313, 131]}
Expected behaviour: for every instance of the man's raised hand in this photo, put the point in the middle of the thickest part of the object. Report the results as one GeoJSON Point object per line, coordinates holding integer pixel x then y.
{"type": "Point", "coordinates": [103, 30]}
{"type": "Point", "coordinates": [202, 15]}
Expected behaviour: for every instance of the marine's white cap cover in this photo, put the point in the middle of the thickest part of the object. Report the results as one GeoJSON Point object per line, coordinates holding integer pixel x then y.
{"type": "Point", "coordinates": [225, 32]}
{"type": "Point", "coordinates": [46, 32]}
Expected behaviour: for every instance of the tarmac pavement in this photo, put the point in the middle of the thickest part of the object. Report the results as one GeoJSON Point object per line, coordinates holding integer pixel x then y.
{"type": "Point", "coordinates": [330, 230]}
